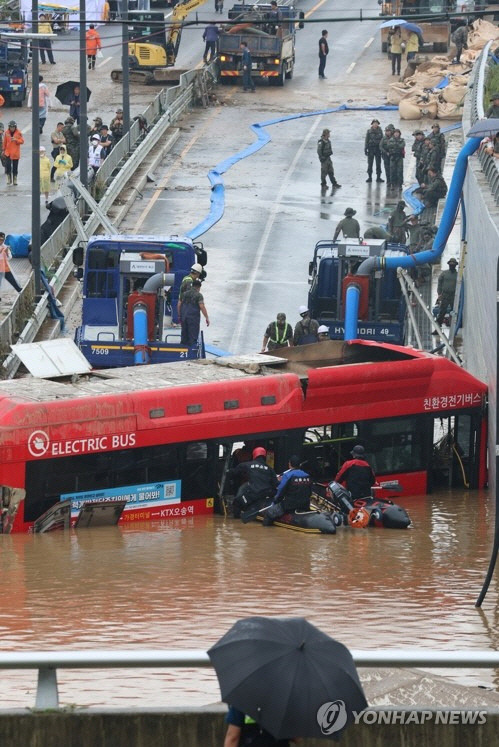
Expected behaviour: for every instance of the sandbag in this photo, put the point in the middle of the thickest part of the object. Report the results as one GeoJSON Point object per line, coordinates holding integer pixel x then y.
{"type": "Point", "coordinates": [396, 92]}
{"type": "Point", "coordinates": [454, 93]}
{"type": "Point", "coordinates": [411, 108]}
{"type": "Point", "coordinates": [483, 31]}
{"type": "Point", "coordinates": [449, 111]}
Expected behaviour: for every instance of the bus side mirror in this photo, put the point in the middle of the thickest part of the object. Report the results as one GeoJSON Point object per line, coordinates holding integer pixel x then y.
{"type": "Point", "coordinates": [78, 256]}
{"type": "Point", "coordinates": [310, 268]}
{"type": "Point", "coordinates": [301, 16]}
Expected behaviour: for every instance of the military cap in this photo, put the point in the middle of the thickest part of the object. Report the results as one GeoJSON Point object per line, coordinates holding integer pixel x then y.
{"type": "Point", "coordinates": [435, 126]}
{"type": "Point", "coordinates": [375, 120]}
{"type": "Point", "coordinates": [452, 260]}
{"type": "Point", "coordinates": [349, 211]}
{"type": "Point", "coordinates": [494, 96]}
{"type": "Point", "coordinates": [69, 120]}
{"type": "Point", "coordinates": [326, 131]}
{"type": "Point", "coordinates": [418, 132]}
{"type": "Point", "coordinates": [281, 317]}
{"type": "Point", "coordinates": [401, 203]}
{"type": "Point", "coordinates": [390, 127]}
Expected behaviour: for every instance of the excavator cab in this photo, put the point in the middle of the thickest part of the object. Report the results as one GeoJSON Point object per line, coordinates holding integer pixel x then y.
{"type": "Point", "coordinates": [147, 44]}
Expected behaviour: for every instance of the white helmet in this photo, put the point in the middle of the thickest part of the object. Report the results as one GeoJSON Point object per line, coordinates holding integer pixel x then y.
{"type": "Point", "coordinates": [302, 310]}
{"type": "Point", "coordinates": [197, 268]}
{"type": "Point", "coordinates": [323, 329]}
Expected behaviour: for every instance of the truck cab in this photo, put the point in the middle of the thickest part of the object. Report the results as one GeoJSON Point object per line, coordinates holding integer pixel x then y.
{"type": "Point", "coordinates": [14, 58]}
{"type": "Point", "coordinates": [382, 306]}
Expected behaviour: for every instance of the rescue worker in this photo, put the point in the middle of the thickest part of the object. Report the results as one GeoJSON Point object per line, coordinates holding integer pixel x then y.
{"type": "Point", "coordinates": [493, 111]}
{"type": "Point", "coordinates": [243, 730]}
{"type": "Point", "coordinates": [349, 225]}
{"type": "Point", "coordinates": [446, 290]}
{"type": "Point", "coordinates": [397, 224]}
{"type": "Point", "coordinates": [376, 232]}
{"type": "Point", "coordinates": [432, 157]}
{"type": "Point", "coordinates": [195, 273]}
{"type": "Point", "coordinates": [460, 39]}
{"type": "Point", "coordinates": [417, 147]}
{"type": "Point", "coordinates": [325, 151]}
{"type": "Point", "coordinates": [307, 329]}
{"type": "Point", "coordinates": [396, 151]}
{"type": "Point", "coordinates": [279, 334]}
{"type": "Point", "coordinates": [395, 44]}
{"type": "Point", "coordinates": [372, 142]}
{"type": "Point", "coordinates": [71, 135]}
{"type": "Point", "coordinates": [12, 141]}
{"type": "Point", "coordinates": [434, 189]}
{"type": "Point", "coordinates": [191, 308]}
{"type": "Point", "coordinates": [412, 46]}
{"type": "Point", "coordinates": [415, 231]}
{"type": "Point", "coordinates": [438, 138]}
{"type": "Point", "coordinates": [261, 482]}
{"type": "Point", "coordinates": [323, 333]}
{"type": "Point", "coordinates": [93, 45]}
{"type": "Point", "coordinates": [356, 474]}
{"type": "Point", "coordinates": [385, 155]}
{"type": "Point", "coordinates": [293, 493]}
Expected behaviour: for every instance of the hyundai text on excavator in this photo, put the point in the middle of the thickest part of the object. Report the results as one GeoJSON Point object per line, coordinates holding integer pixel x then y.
{"type": "Point", "coordinates": [153, 44]}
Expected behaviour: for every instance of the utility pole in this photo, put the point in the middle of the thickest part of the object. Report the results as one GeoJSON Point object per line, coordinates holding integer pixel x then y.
{"type": "Point", "coordinates": [35, 156]}
{"type": "Point", "coordinates": [83, 96]}
{"type": "Point", "coordinates": [126, 72]}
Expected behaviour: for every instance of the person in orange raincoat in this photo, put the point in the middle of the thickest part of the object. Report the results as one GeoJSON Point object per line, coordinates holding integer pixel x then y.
{"type": "Point", "coordinates": [5, 271]}
{"type": "Point", "coordinates": [12, 141]}
{"type": "Point", "coordinates": [93, 43]}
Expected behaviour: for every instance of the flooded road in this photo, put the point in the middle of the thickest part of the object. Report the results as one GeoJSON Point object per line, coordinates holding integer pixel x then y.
{"type": "Point", "coordinates": [182, 585]}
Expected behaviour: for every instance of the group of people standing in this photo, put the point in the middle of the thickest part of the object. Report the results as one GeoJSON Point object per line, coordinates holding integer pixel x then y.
{"type": "Point", "coordinates": [280, 334]}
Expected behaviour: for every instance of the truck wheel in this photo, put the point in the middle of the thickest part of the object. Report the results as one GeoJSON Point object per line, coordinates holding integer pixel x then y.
{"type": "Point", "coordinates": [281, 77]}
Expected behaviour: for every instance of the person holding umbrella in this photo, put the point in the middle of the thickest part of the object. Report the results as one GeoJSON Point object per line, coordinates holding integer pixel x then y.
{"type": "Point", "coordinates": [74, 105]}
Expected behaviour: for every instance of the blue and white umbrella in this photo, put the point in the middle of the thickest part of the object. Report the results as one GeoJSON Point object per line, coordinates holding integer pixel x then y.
{"type": "Point", "coordinates": [392, 22]}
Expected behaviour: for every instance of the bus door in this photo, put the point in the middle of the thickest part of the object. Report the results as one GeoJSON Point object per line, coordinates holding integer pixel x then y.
{"type": "Point", "coordinates": [456, 450]}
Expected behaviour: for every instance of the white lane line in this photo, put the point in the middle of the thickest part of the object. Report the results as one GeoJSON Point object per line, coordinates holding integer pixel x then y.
{"type": "Point", "coordinates": [369, 42]}
{"type": "Point", "coordinates": [350, 68]}
{"type": "Point", "coordinates": [104, 62]}
{"type": "Point", "coordinates": [276, 207]}
{"type": "Point", "coordinates": [26, 129]}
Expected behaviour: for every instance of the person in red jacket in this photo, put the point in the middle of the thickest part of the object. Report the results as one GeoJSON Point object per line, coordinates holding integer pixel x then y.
{"type": "Point", "coordinates": [356, 474]}
{"type": "Point", "coordinates": [12, 142]}
{"type": "Point", "coordinates": [93, 44]}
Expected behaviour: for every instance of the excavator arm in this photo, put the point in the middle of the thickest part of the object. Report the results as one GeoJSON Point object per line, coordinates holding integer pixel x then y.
{"type": "Point", "coordinates": [180, 11]}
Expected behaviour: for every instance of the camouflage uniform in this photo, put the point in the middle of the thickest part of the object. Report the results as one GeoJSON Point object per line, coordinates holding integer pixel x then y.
{"type": "Point", "coordinates": [397, 223]}
{"type": "Point", "coordinates": [372, 150]}
{"type": "Point", "coordinates": [446, 290]}
{"type": "Point", "coordinates": [417, 147]}
{"type": "Point", "coordinates": [433, 158]}
{"type": "Point", "coordinates": [460, 39]}
{"type": "Point", "coordinates": [325, 151]}
{"type": "Point", "coordinates": [436, 189]}
{"type": "Point", "coordinates": [438, 138]}
{"type": "Point", "coordinates": [376, 232]}
{"type": "Point", "coordinates": [350, 227]}
{"type": "Point", "coordinates": [384, 150]}
{"type": "Point", "coordinates": [396, 150]}
{"type": "Point", "coordinates": [493, 111]}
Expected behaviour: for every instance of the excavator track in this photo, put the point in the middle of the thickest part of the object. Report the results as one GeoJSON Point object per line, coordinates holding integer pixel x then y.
{"type": "Point", "coordinates": [145, 77]}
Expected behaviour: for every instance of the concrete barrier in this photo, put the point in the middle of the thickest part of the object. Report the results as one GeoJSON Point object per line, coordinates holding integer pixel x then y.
{"type": "Point", "coordinates": [205, 727]}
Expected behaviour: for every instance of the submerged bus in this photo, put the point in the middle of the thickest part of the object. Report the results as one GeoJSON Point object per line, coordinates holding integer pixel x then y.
{"type": "Point", "coordinates": [164, 438]}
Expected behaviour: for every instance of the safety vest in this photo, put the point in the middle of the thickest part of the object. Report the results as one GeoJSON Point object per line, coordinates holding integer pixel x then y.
{"type": "Point", "coordinates": [282, 339]}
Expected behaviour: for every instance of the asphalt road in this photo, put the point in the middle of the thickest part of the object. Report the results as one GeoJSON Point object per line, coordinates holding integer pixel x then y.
{"type": "Point", "coordinates": [274, 211]}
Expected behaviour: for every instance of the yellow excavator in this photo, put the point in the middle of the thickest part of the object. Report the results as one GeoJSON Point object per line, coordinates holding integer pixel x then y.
{"type": "Point", "coordinates": [153, 44]}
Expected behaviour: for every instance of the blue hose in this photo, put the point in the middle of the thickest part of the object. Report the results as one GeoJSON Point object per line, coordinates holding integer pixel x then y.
{"type": "Point", "coordinates": [352, 311]}
{"type": "Point", "coordinates": [141, 350]}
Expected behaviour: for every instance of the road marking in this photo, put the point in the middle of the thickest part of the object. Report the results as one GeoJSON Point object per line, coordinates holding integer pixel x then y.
{"type": "Point", "coordinates": [104, 62]}
{"type": "Point", "coordinates": [27, 128]}
{"type": "Point", "coordinates": [173, 167]}
{"type": "Point", "coordinates": [350, 68]}
{"type": "Point", "coordinates": [276, 207]}
{"type": "Point", "coordinates": [369, 42]}
{"type": "Point", "coordinates": [316, 7]}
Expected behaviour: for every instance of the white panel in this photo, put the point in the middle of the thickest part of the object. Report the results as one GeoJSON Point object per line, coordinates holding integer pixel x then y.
{"type": "Point", "coordinates": [52, 358]}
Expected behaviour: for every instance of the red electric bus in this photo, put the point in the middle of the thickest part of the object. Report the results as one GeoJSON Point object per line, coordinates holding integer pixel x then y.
{"type": "Point", "coordinates": [162, 437]}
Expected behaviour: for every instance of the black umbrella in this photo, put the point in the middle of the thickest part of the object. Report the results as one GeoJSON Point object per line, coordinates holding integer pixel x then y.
{"type": "Point", "coordinates": [65, 91]}
{"type": "Point", "coordinates": [288, 675]}
{"type": "Point", "coordinates": [484, 128]}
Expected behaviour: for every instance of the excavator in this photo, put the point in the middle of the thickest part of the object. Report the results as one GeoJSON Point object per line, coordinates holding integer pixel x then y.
{"type": "Point", "coordinates": [153, 44]}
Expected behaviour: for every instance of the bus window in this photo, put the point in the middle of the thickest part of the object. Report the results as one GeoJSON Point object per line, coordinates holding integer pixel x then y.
{"type": "Point", "coordinates": [199, 470]}
{"type": "Point", "coordinates": [395, 444]}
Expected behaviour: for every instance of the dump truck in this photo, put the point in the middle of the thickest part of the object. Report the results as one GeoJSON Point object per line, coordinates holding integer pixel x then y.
{"type": "Point", "coordinates": [270, 36]}
{"type": "Point", "coordinates": [14, 59]}
{"type": "Point", "coordinates": [435, 33]}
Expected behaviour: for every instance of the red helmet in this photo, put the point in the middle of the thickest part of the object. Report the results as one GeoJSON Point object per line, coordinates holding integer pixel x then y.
{"type": "Point", "coordinates": [259, 451]}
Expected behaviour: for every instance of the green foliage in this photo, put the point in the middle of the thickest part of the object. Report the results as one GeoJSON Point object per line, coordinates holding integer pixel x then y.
{"type": "Point", "coordinates": [491, 85]}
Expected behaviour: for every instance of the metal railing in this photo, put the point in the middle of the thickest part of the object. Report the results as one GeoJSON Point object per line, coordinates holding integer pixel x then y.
{"type": "Point", "coordinates": [489, 164]}
{"type": "Point", "coordinates": [115, 172]}
{"type": "Point", "coordinates": [48, 662]}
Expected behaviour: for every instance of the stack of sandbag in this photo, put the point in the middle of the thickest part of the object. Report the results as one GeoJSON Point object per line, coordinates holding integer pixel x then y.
{"type": "Point", "coordinates": [481, 32]}
{"type": "Point", "coordinates": [418, 106]}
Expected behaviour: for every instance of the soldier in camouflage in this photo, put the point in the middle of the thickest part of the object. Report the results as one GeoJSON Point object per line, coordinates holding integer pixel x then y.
{"type": "Point", "coordinates": [372, 150]}
{"type": "Point", "coordinates": [460, 39]}
{"type": "Point", "coordinates": [417, 147]}
{"type": "Point", "coordinates": [493, 111]}
{"type": "Point", "coordinates": [384, 149]}
{"type": "Point", "coordinates": [349, 225]}
{"type": "Point", "coordinates": [396, 151]}
{"type": "Point", "coordinates": [325, 151]}
{"type": "Point", "coordinates": [438, 138]}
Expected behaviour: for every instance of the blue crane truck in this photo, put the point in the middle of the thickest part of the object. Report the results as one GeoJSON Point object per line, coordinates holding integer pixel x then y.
{"type": "Point", "coordinates": [14, 60]}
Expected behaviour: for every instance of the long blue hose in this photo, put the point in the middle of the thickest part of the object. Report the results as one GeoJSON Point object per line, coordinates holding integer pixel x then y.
{"type": "Point", "coordinates": [141, 352]}
{"type": "Point", "coordinates": [352, 299]}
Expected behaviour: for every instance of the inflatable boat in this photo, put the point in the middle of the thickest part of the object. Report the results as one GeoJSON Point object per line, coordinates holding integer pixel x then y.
{"type": "Point", "coordinates": [311, 522]}
{"type": "Point", "coordinates": [363, 512]}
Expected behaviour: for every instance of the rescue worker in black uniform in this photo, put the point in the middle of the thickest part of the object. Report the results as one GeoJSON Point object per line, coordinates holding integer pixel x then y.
{"type": "Point", "coordinates": [261, 482]}
{"type": "Point", "coordinates": [356, 474]}
{"type": "Point", "coordinates": [293, 493]}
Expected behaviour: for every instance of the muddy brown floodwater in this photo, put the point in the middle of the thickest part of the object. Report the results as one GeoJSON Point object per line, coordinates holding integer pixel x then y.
{"type": "Point", "coordinates": [181, 585]}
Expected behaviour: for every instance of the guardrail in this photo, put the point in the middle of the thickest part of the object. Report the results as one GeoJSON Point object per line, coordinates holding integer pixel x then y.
{"type": "Point", "coordinates": [47, 662]}
{"type": "Point", "coordinates": [488, 163]}
{"type": "Point", "coordinates": [115, 172]}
